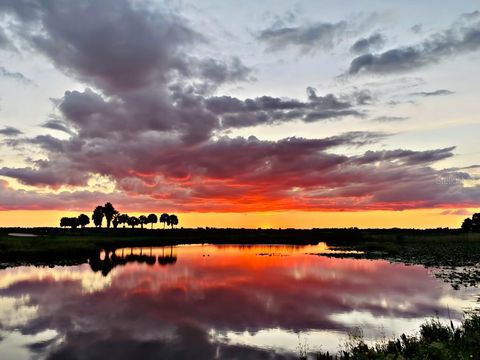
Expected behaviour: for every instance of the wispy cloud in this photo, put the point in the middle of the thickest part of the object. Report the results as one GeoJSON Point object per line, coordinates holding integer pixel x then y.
{"type": "Point", "coordinates": [441, 92]}
{"type": "Point", "coordinates": [14, 75]}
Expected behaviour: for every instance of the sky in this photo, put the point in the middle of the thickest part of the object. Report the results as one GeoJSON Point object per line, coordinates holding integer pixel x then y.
{"type": "Point", "coordinates": [269, 114]}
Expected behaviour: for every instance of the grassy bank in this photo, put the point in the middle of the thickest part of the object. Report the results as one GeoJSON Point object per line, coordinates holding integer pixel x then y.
{"type": "Point", "coordinates": [435, 341]}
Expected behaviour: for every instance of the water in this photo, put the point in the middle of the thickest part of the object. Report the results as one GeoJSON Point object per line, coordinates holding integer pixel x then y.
{"type": "Point", "coordinates": [208, 302]}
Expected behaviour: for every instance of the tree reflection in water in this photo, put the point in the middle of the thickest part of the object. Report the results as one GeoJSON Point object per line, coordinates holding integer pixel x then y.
{"type": "Point", "coordinates": [106, 260]}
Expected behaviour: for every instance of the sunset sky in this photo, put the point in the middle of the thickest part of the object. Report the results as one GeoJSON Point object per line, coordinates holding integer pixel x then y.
{"type": "Point", "coordinates": [242, 114]}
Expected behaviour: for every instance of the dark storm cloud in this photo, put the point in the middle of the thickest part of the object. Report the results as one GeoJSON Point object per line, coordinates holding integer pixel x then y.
{"type": "Point", "coordinates": [441, 92]}
{"type": "Point", "coordinates": [462, 37]}
{"type": "Point", "coordinates": [364, 45]}
{"type": "Point", "coordinates": [10, 131]}
{"type": "Point", "coordinates": [308, 38]}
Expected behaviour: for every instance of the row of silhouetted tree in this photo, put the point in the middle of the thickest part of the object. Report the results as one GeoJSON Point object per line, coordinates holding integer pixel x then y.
{"type": "Point", "coordinates": [115, 218]}
{"type": "Point", "coordinates": [472, 224]}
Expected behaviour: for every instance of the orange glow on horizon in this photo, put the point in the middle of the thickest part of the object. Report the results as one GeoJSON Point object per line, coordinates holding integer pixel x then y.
{"type": "Point", "coordinates": [429, 218]}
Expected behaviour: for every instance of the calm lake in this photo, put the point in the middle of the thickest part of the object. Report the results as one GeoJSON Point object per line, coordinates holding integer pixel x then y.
{"type": "Point", "coordinates": [214, 302]}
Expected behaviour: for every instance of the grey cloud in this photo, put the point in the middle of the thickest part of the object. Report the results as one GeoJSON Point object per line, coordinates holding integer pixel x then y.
{"type": "Point", "coordinates": [55, 124]}
{"type": "Point", "coordinates": [48, 142]}
{"type": "Point", "coordinates": [441, 92]}
{"type": "Point", "coordinates": [16, 76]}
{"type": "Point", "coordinates": [373, 42]}
{"type": "Point", "coordinates": [221, 72]}
{"type": "Point", "coordinates": [313, 36]}
{"type": "Point", "coordinates": [120, 54]}
{"type": "Point", "coordinates": [127, 46]}
{"type": "Point", "coordinates": [407, 157]}
{"type": "Point", "coordinates": [330, 114]}
{"type": "Point", "coordinates": [266, 110]}
{"type": "Point", "coordinates": [50, 175]}
{"type": "Point", "coordinates": [135, 57]}
{"type": "Point", "coordinates": [10, 131]}
{"type": "Point", "coordinates": [359, 97]}
{"type": "Point", "coordinates": [460, 38]}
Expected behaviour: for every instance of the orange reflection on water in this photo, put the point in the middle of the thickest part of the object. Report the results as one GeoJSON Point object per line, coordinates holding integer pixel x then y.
{"type": "Point", "coordinates": [217, 298]}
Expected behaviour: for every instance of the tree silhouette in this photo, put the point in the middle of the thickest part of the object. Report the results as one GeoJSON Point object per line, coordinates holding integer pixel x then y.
{"type": "Point", "coordinates": [64, 222]}
{"type": "Point", "coordinates": [97, 216]}
{"type": "Point", "coordinates": [476, 222]}
{"type": "Point", "coordinates": [133, 221]}
{"type": "Point", "coordinates": [109, 212]}
{"type": "Point", "coordinates": [164, 219]}
{"type": "Point", "coordinates": [116, 221]}
{"type": "Point", "coordinates": [122, 219]}
{"type": "Point", "coordinates": [83, 220]}
{"type": "Point", "coordinates": [467, 224]}
{"type": "Point", "coordinates": [172, 220]}
{"type": "Point", "coordinates": [69, 221]}
{"type": "Point", "coordinates": [152, 219]}
{"type": "Point", "coordinates": [143, 220]}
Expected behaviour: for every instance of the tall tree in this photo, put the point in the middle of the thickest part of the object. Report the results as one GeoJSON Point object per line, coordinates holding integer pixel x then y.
{"type": "Point", "coordinates": [109, 212]}
{"type": "Point", "coordinates": [173, 220]}
{"type": "Point", "coordinates": [116, 221]}
{"type": "Point", "coordinates": [164, 219]}
{"type": "Point", "coordinates": [97, 216]}
{"type": "Point", "coordinates": [83, 220]}
{"type": "Point", "coordinates": [467, 224]}
{"type": "Point", "coordinates": [143, 220]}
{"type": "Point", "coordinates": [152, 219]}
{"type": "Point", "coordinates": [476, 222]}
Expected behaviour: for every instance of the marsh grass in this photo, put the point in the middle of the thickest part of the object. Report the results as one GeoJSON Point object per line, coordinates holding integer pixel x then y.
{"type": "Point", "coordinates": [436, 341]}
